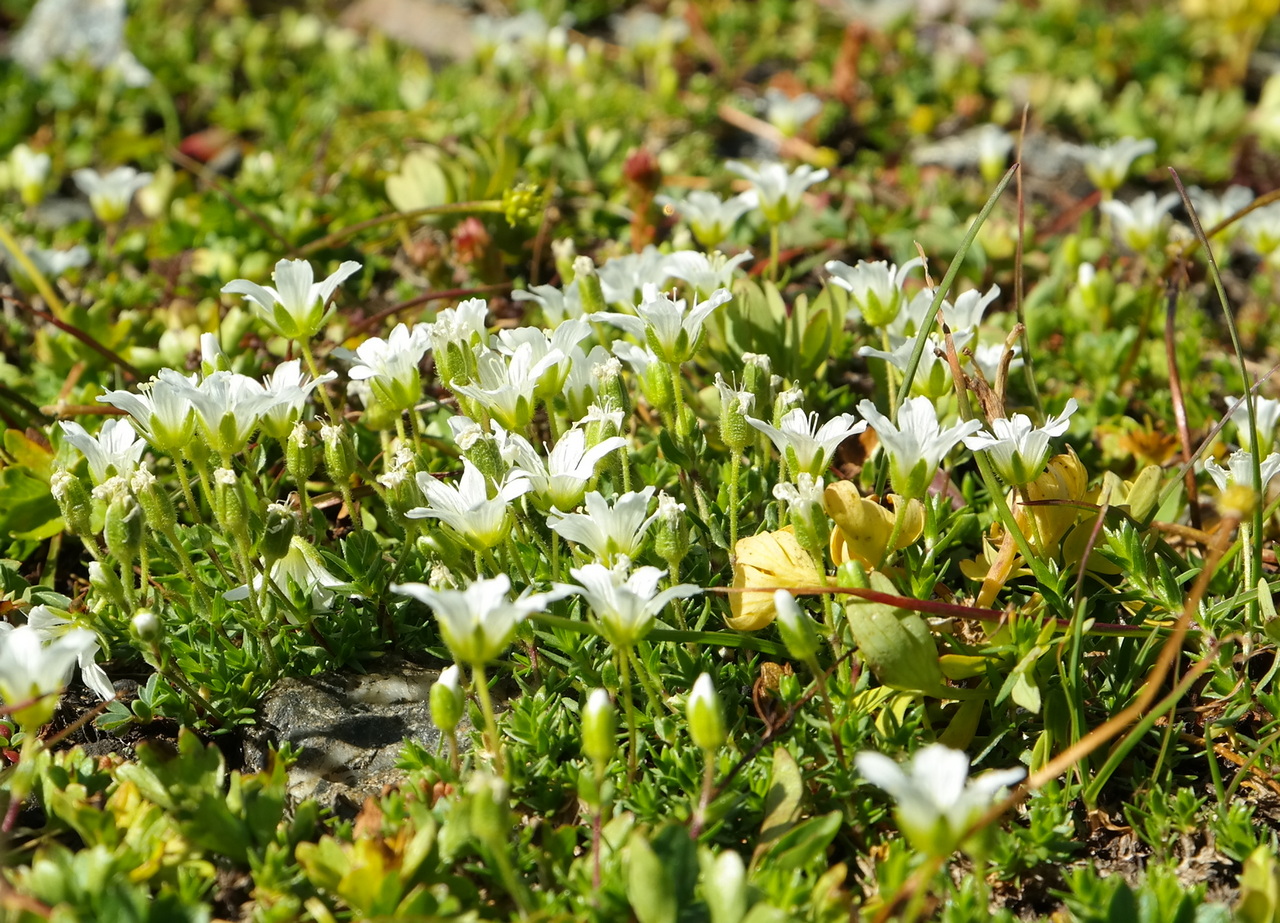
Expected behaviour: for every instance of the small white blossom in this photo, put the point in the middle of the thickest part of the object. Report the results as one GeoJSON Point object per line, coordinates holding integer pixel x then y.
{"type": "Point", "coordinates": [1140, 224]}
{"type": "Point", "coordinates": [228, 407]}
{"type": "Point", "coordinates": [937, 802]}
{"type": "Point", "coordinates": [1239, 470]}
{"type": "Point", "coordinates": [297, 307]}
{"type": "Point", "coordinates": [625, 605]}
{"type": "Point", "coordinates": [50, 627]}
{"type": "Point", "coordinates": [790, 114]}
{"type": "Point", "coordinates": [966, 313]}
{"type": "Point", "coordinates": [480, 521]}
{"type": "Point", "coordinates": [622, 276]}
{"type": "Point", "coordinates": [110, 194]}
{"type": "Point", "coordinates": [32, 673]}
{"type": "Point", "coordinates": [778, 189]}
{"type": "Point", "coordinates": [300, 574]}
{"type": "Point", "coordinates": [506, 386]}
{"type": "Point", "coordinates": [673, 331]}
{"type": "Point", "coordinates": [704, 272]}
{"type": "Point", "coordinates": [114, 450]}
{"type": "Point", "coordinates": [29, 171]}
{"type": "Point", "coordinates": [1267, 411]}
{"type": "Point", "coordinates": [875, 288]}
{"type": "Point", "coordinates": [1108, 166]}
{"type": "Point", "coordinates": [917, 444]}
{"type": "Point", "coordinates": [561, 479]}
{"type": "Point", "coordinates": [709, 217]}
{"type": "Point", "coordinates": [803, 443]}
{"type": "Point", "coordinates": [391, 365]}
{"type": "Point", "coordinates": [607, 530]}
{"type": "Point", "coordinates": [291, 388]}
{"type": "Point", "coordinates": [1213, 209]}
{"type": "Point", "coordinates": [1018, 450]}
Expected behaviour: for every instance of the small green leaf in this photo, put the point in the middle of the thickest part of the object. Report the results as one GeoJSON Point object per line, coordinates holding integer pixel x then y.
{"type": "Point", "coordinates": [650, 889]}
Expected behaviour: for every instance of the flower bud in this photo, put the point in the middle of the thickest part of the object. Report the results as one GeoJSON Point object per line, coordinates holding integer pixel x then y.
{"type": "Point", "coordinates": [671, 532]}
{"type": "Point", "coordinates": [105, 582]}
{"type": "Point", "coordinates": [726, 888]}
{"type": "Point", "coordinates": [523, 204]}
{"type": "Point", "coordinates": [229, 504]}
{"type": "Point", "coordinates": [146, 626]}
{"type": "Point", "coordinates": [156, 503]}
{"type": "Point", "coordinates": [757, 379]}
{"type": "Point", "coordinates": [447, 701]}
{"type": "Point", "coordinates": [797, 629]}
{"type": "Point", "coordinates": [300, 456]}
{"type": "Point", "coordinates": [123, 529]}
{"type": "Point", "coordinates": [487, 457]}
{"type": "Point", "coordinates": [73, 501]}
{"type": "Point", "coordinates": [339, 454]}
{"type": "Point", "coordinates": [279, 530]}
{"type": "Point", "coordinates": [736, 432]}
{"type": "Point", "coordinates": [565, 253]}
{"type": "Point", "coordinates": [706, 717]}
{"type": "Point", "coordinates": [599, 727]}
{"type": "Point", "coordinates": [489, 821]}
{"type": "Point", "coordinates": [212, 358]}
{"type": "Point", "coordinates": [589, 288]}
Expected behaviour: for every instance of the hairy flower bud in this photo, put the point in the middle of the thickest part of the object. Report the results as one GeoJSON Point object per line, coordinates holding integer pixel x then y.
{"type": "Point", "coordinates": [123, 529]}
{"type": "Point", "coordinates": [599, 727]}
{"type": "Point", "coordinates": [278, 533]}
{"type": "Point", "coordinates": [300, 455]}
{"type": "Point", "coordinates": [73, 501]}
{"type": "Point", "coordinates": [146, 626]}
{"type": "Point", "coordinates": [339, 454]}
{"type": "Point", "coordinates": [156, 503]}
{"type": "Point", "coordinates": [589, 288]}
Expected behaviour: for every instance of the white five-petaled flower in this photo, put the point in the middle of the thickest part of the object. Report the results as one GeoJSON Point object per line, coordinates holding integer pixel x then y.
{"type": "Point", "coordinates": [607, 530]}
{"type": "Point", "coordinates": [300, 574]}
{"type": "Point", "coordinates": [622, 276]}
{"type": "Point", "coordinates": [1239, 470]}
{"type": "Point", "coordinates": [1261, 232]}
{"type": "Point", "coordinates": [1213, 209]}
{"type": "Point", "coordinates": [789, 114]}
{"type": "Point", "coordinates": [110, 194]}
{"type": "Point", "coordinates": [709, 217]}
{"type": "Point", "coordinates": [966, 313]}
{"type": "Point", "coordinates": [29, 171]}
{"type": "Point", "coordinates": [671, 330]}
{"type": "Point", "coordinates": [506, 385]}
{"type": "Point", "coordinates": [290, 388]}
{"type": "Point", "coordinates": [297, 307]}
{"type": "Point", "coordinates": [479, 622]}
{"type": "Point", "coordinates": [391, 365]}
{"type": "Point", "coordinates": [561, 479]}
{"type": "Point", "coordinates": [805, 445]}
{"type": "Point", "coordinates": [563, 340]}
{"type": "Point", "coordinates": [558, 305]}
{"type": "Point", "coordinates": [50, 627]}
{"type": "Point", "coordinates": [33, 672]}
{"type": "Point", "coordinates": [115, 450]}
{"type": "Point", "coordinates": [988, 358]}
{"type": "Point", "coordinates": [777, 188]}
{"type": "Point", "coordinates": [933, 374]}
{"type": "Point", "coordinates": [228, 407]}
{"type": "Point", "coordinates": [480, 521]}
{"type": "Point", "coordinates": [937, 802]}
{"type": "Point", "coordinates": [455, 333]}
{"type": "Point", "coordinates": [1140, 224]}
{"type": "Point", "coordinates": [874, 288]}
{"type": "Point", "coordinates": [705, 272]}
{"type": "Point", "coordinates": [626, 606]}
{"type": "Point", "coordinates": [1108, 165]}
{"type": "Point", "coordinates": [1267, 410]}
{"type": "Point", "coordinates": [1019, 450]}
{"type": "Point", "coordinates": [162, 413]}
{"type": "Point", "coordinates": [917, 445]}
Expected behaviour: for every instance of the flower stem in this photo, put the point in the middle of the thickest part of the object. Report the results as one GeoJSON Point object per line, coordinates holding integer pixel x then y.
{"type": "Point", "coordinates": [481, 683]}
{"type": "Point", "coordinates": [310, 358]}
{"type": "Point", "coordinates": [735, 475]}
{"type": "Point", "coordinates": [629, 709]}
{"type": "Point", "coordinates": [708, 783]}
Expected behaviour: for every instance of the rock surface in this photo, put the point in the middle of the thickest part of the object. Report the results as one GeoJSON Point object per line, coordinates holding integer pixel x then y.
{"type": "Point", "coordinates": [349, 730]}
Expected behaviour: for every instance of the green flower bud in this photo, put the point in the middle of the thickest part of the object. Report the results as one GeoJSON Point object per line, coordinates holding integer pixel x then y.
{"type": "Point", "coordinates": [485, 455]}
{"type": "Point", "coordinates": [599, 728]}
{"type": "Point", "coordinates": [123, 529]}
{"type": "Point", "coordinates": [523, 204]}
{"type": "Point", "coordinates": [105, 582]}
{"type": "Point", "coordinates": [706, 717]}
{"type": "Point", "coordinates": [279, 531]}
{"type": "Point", "coordinates": [757, 379]}
{"type": "Point", "coordinates": [589, 287]}
{"type": "Point", "coordinates": [156, 503]}
{"type": "Point", "coordinates": [73, 501]}
{"type": "Point", "coordinates": [229, 503]}
{"type": "Point", "coordinates": [736, 432]}
{"type": "Point", "coordinates": [489, 821]}
{"type": "Point", "coordinates": [146, 626]}
{"type": "Point", "coordinates": [565, 253]}
{"type": "Point", "coordinates": [339, 454]}
{"type": "Point", "coordinates": [798, 630]}
{"type": "Point", "coordinates": [447, 701]}
{"type": "Point", "coordinates": [671, 533]}
{"type": "Point", "coordinates": [300, 455]}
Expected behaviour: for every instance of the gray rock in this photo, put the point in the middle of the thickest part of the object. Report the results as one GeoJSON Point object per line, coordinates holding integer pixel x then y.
{"type": "Point", "coordinates": [350, 730]}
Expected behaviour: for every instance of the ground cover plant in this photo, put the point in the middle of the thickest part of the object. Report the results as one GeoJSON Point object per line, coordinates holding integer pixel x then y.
{"type": "Point", "coordinates": [825, 449]}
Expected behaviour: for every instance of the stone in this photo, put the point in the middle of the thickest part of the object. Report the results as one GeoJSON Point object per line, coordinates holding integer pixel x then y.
{"type": "Point", "coordinates": [349, 730]}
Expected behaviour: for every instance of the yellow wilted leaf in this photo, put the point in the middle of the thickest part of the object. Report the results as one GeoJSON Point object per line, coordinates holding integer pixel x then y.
{"type": "Point", "coordinates": [772, 560]}
{"type": "Point", "coordinates": [863, 527]}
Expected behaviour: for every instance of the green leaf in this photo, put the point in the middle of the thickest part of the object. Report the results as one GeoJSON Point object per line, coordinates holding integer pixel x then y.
{"type": "Point", "coordinates": [27, 508]}
{"type": "Point", "coordinates": [805, 842]}
{"type": "Point", "coordinates": [650, 888]}
{"type": "Point", "coordinates": [895, 643]}
{"type": "Point", "coordinates": [781, 803]}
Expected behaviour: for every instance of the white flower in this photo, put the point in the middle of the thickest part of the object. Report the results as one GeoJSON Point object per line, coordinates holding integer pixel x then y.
{"type": "Point", "coordinates": [622, 276]}
{"type": "Point", "coordinates": [115, 450]}
{"type": "Point", "coordinates": [557, 305]}
{"type": "Point", "coordinates": [673, 332]}
{"type": "Point", "coordinates": [301, 575]}
{"type": "Point", "coordinates": [50, 627]}
{"type": "Point", "coordinates": [51, 263]}
{"type": "Point", "coordinates": [1261, 232]}
{"type": "Point", "coordinates": [803, 443]}
{"type": "Point", "coordinates": [966, 313]}
{"type": "Point", "coordinates": [917, 445]}
{"type": "Point", "coordinates": [1141, 223]}
{"type": "Point", "coordinates": [32, 672]}
{"type": "Point", "coordinates": [645, 32]}
{"type": "Point", "coordinates": [163, 413]}
{"type": "Point", "coordinates": [228, 407]}
{"type": "Point", "coordinates": [789, 114]}
{"type": "Point", "coordinates": [709, 217]}
{"type": "Point", "coordinates": [778, 189]}
{"type": "Point", "coordinates": [110, 195]}
{"type": "Point", "coordinates": [1019, 450]}
{"type": "Point", "coordinates": [705, 272]}
{"type": "Point", "coordinates": [290, 388]}
{"type": "Point", "coordinates": [988, 358]}
{"type": "Point", "coordinates": [626, 606]}
{"type": "Point", "coordinates": [607, 530]}
{"type": "Point", "coordinates": [479, 622]}
{"type": "Point", "coordinates": [480, 521]}
{"type": "Point", "coordinates": [588, 372]}
{"type": "Point", "coordinates": [874, 288]}
{"type": "Point", "coordinates": [506, 386]}
{"type": "Point", "coordinates": [1108, 166]}
{"type": "Point", "coordinates": [391, 365]}
{"type": "Point", "coordinates": [1239, 470]}
{"type": "Point", "coordinates": [212, 357]}
{"type": "Point", "coordinates": [936, 800]}
{"type": "Point", "coordinates": [933, 374]}
{"type": "Point", "coordinates": [1212, 209]}
{"type": "Point", "coordinates": [562, 341]}
{"type": "Point", "coordinates": [296, 307]}
{"type": "Point", "coordinates": [561, 480]}
{"type": "Point", "coordinates": [28, 171]}
{"type": "Point", "coordinates": [986, 146]}
{"type": "Point", "coordinates": [1266, 410]}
